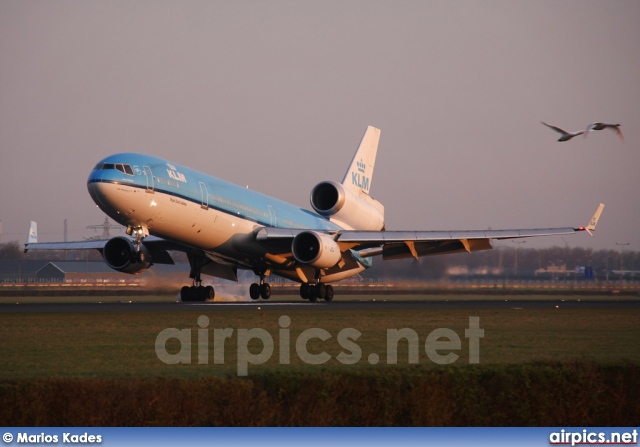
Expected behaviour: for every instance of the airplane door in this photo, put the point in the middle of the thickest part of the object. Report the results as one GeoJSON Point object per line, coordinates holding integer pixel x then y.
{"type": "Point", "coordinates": [150, 182]}
{"type": "Point", "coordinates": [205, 196]}
{"type": "Point", "coordinates": [273, 217]}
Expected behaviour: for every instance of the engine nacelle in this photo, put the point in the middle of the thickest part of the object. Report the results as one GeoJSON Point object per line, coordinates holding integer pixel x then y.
{"type": "Point", "coordinates": [121, 254]}
{"type": "Point", "coordinates": [315, 249]}
{"type": "Point", "coordinates": [358, 212]}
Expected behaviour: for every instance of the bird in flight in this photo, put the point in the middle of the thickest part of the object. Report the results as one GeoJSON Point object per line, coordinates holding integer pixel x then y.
{"type": "Point", "coordinates": [600, 126]}
{"type": "Point", "coordinates": [566, 136]}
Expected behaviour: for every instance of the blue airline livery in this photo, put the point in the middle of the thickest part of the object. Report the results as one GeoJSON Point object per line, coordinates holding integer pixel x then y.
{"type": "Point", "coordinates": [224, 227]}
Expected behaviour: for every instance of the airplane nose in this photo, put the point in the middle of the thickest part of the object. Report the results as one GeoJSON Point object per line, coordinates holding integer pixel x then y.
{"type": "Point", "coordinates": [93, 186]}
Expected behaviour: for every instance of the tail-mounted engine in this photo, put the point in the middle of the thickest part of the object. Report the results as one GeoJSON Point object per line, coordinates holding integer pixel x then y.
{"type": "Point", "coordinates": [344, 206]}
{"type": "Point", "coordinates": [122, 254]}
{"type": "Point", "coordinates": [315, 249]}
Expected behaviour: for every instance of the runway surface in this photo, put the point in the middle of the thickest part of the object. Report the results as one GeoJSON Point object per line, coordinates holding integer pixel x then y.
{"type": "Point", "coordinates": [378, 304]}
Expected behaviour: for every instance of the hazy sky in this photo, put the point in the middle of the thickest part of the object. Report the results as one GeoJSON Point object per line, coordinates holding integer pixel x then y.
{"type": "Point", "coordinates": [277, 94]}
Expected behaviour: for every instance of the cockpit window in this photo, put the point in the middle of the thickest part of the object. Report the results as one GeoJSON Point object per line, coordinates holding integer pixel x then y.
{"type": "Point", "coordinates": [124, 168]}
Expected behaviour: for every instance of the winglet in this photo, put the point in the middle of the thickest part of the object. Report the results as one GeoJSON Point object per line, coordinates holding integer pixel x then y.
{"type": "Point", "coordinates": [591, 226]}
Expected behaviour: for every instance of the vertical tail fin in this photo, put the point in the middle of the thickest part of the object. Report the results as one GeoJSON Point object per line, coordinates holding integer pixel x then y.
{"type": "Point", "coordinates": [33, 233]}
{"type": "Point", "coordinates": [358, 176]}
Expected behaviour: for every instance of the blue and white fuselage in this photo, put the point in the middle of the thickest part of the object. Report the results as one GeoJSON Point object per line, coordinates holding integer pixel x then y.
{"type": "Point", "coordinates": [174, 202]}
{"type": "Point", "coordinates": [137, 189]}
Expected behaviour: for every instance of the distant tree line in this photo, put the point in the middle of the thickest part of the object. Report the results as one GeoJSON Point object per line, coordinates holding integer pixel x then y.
{"type": "Point", "coordinates": [11, 250]}
{"type": "Point", "coordinates": [509, 262]}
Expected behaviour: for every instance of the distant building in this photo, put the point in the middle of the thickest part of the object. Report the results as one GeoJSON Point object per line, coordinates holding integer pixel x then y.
{"type": "Point", "coordinates": [29, 271]}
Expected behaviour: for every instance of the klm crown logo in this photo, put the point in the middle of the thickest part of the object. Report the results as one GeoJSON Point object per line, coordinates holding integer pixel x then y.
{"type": "Point", "coordinates": [361, 181]}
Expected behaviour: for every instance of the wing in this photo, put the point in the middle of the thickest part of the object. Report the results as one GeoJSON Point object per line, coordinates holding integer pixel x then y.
{"type": "Point", "coordinates": [617, 130]}
{"type": "Point", "coordinates": [79, 245]}
{"type": "Point", "coordinates": [557, 129]}
{"type": "Point", "coordinates": [355, 246]}
{"type": "Point", "coordinates": [158, 248]}
{"type": "Point", "coordinates": [405, 244]}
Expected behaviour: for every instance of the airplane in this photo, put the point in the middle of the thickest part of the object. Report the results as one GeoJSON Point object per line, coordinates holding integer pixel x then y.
{"type": "Point", "coordinates": [223, 227]}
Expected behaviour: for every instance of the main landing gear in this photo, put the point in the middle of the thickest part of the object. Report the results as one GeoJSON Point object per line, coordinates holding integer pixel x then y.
{"type": "Point", "coordinates": [317, 290]}
{"type": "Point", "coordinates": [256, 291]}
{"type": "Point", "coordinates": [313, 292]}
{"type": "Point", "coordinates": [197, 292]}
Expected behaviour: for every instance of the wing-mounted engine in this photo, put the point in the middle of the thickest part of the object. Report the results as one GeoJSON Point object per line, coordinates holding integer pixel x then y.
{"type": "Point", "coordinates": [122, 254]}
{"type": "Point", "coordinates": [343, 206]}
{"type": "Point", "coordinates": [315, 249]}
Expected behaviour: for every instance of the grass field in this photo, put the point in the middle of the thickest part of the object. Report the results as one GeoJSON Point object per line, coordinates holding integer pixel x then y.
{"type": "Point", "coordinates": [122, 344]}
{"type": "Point", "coordinates": [536, 367]}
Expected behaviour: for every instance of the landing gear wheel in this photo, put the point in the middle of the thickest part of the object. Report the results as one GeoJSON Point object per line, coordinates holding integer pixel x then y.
{"type": "Point", "coordinates": [321, 290]}
{"type": "Point", "coordinates": [304, 291]}
{"type": "Point", "coordinates": [200, 293]}
{"type": "Point", "coordinates": [197, 293]}
{"type": "Point", "coordinates": [254, 291]}
{"type": "Point", "coordinates": [265, 291]}
{"type": "Point", "coordinates": [185, 293]}
{"type": "Point", "coordinates": [312, 294]}
{"type": "Point", "coordinates": [328, 294]}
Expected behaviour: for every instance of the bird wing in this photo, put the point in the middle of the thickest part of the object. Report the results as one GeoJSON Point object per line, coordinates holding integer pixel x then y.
{"type": "Point", "coordinates": [557, 129]}
{"type": "Point", "coordinates": [617, 130]}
